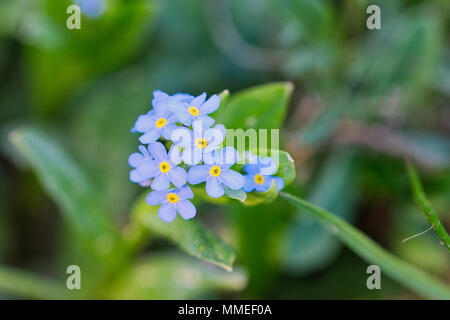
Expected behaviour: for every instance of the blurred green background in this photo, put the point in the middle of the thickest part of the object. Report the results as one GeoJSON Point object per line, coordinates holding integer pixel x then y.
{"type": "Point", "coordinates": [363, 100]}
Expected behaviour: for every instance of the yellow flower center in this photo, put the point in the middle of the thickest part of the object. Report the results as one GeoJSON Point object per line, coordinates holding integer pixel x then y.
{"type": "Point", "coordinates": [161, 122]}
{"type": "Point", "coordinates": [259, 179]}
{"type": "Point", "coordinates": [215, 171]}
{"type": "Point", "coordinates": [201, 143]}
{"type": "Point", "coordinates": [193, 110]}
{"type": "Point", "coordinates": [164, 167]}
{"type": "Point", "coordinates": [172, 197]}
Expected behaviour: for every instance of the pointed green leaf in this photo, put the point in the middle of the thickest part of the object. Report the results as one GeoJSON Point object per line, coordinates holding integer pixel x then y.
{"type": "Point", "coordinates": [188, 235]}
{"type": "Point", "coordinates": [263, 106]}
{"type": "Point", "coordinates": [235, 194]}
{"type": "Point", "coordinates": [405, 273]}
{"type": "Point", "coordinates": [286, 168]}
{"type": "Point", "coordinates": [174, 276]}
{"type": "Point", "coordinates": [70, 188]}
{"type": "Point", "coordinates": [224, 96]}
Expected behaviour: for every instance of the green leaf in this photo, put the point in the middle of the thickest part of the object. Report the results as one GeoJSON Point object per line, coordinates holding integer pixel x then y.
{"type": "Point", "coordinates": [286, 167]}
{"type": "Point", "coordinates": [235, 194]}
{"type": "Point", "coordinates": [408, 275]}
{"type": "Point", "coordinates": [224, 96]}
{"type": "Point", "coordinates": [263, 106]}
{"type": "Point", "coordinates": [306, 245]}
{"type": "Point", "coordinates": [90, 130]}
{"type": "Point", "coordinates": [173, 276]}
{"type": "Point", "coordinates": [188, 235]}
{"type": "Point", "coordinates": [66, 183]}
{"type": "Point", "coordinates": [425, 205]}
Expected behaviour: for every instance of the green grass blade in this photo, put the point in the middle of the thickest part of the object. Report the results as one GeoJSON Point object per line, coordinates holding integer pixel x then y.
{"type": "Point", "coordinates": [408, 275]}
{"type": "Point", "coordinates": [425, 205]}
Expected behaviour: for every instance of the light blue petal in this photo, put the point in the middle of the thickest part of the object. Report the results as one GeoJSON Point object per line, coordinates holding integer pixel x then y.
{"type": "Point", "coordinates": [135, 159]}
{"type": "Point", "coordinates": [185, 192]}
{"type": "Point", "coordinates": [226, 157]}
{"type": "Point", "coordinates": [145, 183]}
{"type": "Point", "coordinates": [213, 188]}
{"type": "Point", "coordinates": [207, 121]}
{"type": "Point", "coordinates": [145, 152]}
{"type": "Point", "coordinates": [171, 118]}
{"type": "Point", "coordinates": [174, 155]}
{"type": "Point", "coordinates": [279, 182]}
{"type": "Point", "coordinates": [249, 184]}
{"type": "Point", "coordinates": [161, 108]}
{"type": "Point", "coordinates": [251, 169]}
{"type": "Point", "coordinates": [135, 176]}
{"type": "Point", "coordinates": [156, 197]}
{"type": "Point", "coordinates": [232, 179]}
{"type": "Point", "coordinates": [150, 136]}
{"type": "Point", "coordinates": [183, 97]}
{"type": "Point", "coordinates": [179, 109]}
{"type": "Point", "coordinates": [158, 151]}
{"type": "Point", "coordinates": [177, 176]}
{"type": "Point", "coordinates": [268, 166]}
{"type": "Point", "coordinates": [144, 123]}
{"type": "Point", "coordinates": [182, 137]}
{"type": "Point", "coordinates": [215, 135]}
{"type": "Point", "coordinates": [161, 182]}
{"type": "Point", "coordinates": [265, 185]}
{"type": "Point", "coordinates": [159, 96]}
{"type": "Point", "coordinates": [198, 174]}
{"type": "Point", "coordinates": [167, 130]}
{"type": "Point", "coordinates": [186, 209]}
{"type": "Point", "coordinates": [209, 156]}
{"type": "Point", "coordinates": [192, 155]}
{"type": "Point", "coordinates": [197, 102]}
{"type": "Point", "coordinates": [211, 105]}
{"type": "Point", "coordinates": [167, 212]}
{"type": "Point", "coordinates": [198, 129]}
{"type": "Point", "coordinates": [148, 168]}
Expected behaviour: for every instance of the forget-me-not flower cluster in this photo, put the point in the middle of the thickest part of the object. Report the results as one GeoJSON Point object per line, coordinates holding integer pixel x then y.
{"type": "Point", "coordinates": [185, 146]}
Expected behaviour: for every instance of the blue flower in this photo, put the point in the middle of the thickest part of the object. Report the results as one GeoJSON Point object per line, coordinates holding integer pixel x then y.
{"type": "Point", "coordinates": [173, 201]}
{"type": "Point", "coordinates": [163, 168]}
{"type": "Point", "coordinates": [259, 174]}
{"type": "Point", "coordinates": [218, 174]}
{"type": "Point", "coordinates": [199, 143]}
{"type": "Point", "coordinates": [195, 110]}
{"type": "Point", "coordinates": [92, 8]}
{"type": "Point", "coordinates": [162, 97]}
{"type": "Point", "coordinates": [135, 160]}
{"type": "Point", "coordinates": [159, 121]}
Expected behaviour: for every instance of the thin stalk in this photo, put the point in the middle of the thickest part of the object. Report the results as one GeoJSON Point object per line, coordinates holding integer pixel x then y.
{"type": "Point", "coordinates": [425, 205]}
{"type": "Point", "coordinates": [405, 273]}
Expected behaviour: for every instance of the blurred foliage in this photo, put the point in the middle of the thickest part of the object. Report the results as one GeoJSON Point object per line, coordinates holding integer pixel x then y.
{"type": "Point", "coordinates": [351, 103]}
{"type": "Point", "coordinates": [172, 276]}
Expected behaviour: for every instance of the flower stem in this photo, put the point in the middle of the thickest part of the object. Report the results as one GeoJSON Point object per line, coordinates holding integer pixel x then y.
{"type": "Point", "coordinates": [422, 201]}
{"type": "Point", "coordinates": [405, 273]}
